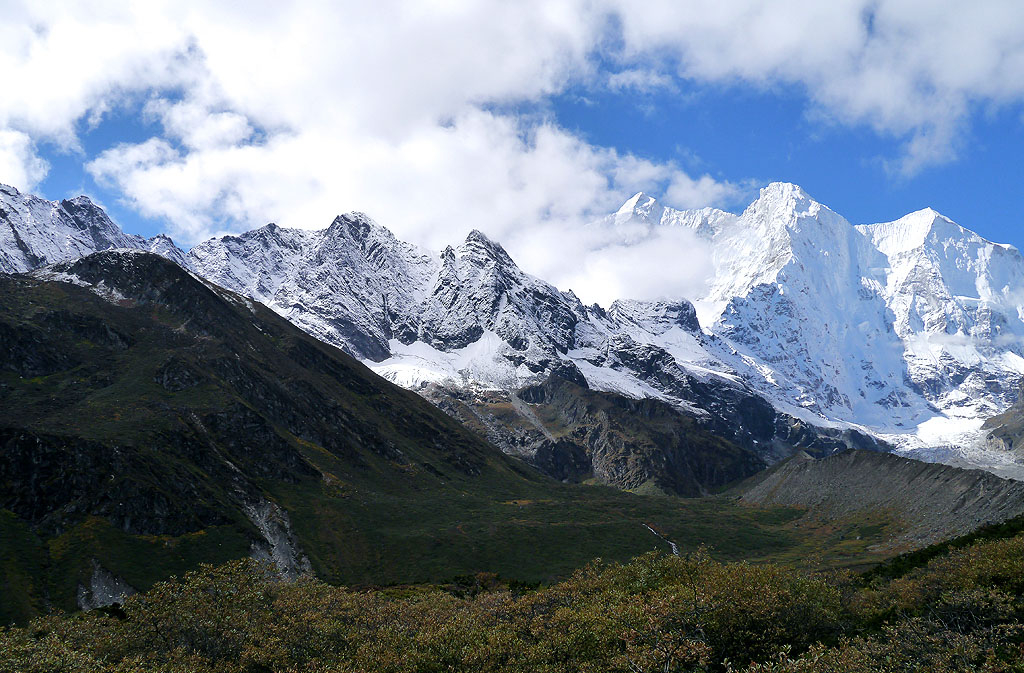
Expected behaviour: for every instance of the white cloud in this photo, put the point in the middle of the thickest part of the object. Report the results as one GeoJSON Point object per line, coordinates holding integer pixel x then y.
{"type": "Point", "coordinates": [639, 79]}
{"type": "Point", "coordinates": [294, 112]}
{"type": "Point", "coordinates": [908, 68]}
{"type": "Point", "coordinates": [609, 262]}
{"type": "Point", "coordinates": [20, 167]}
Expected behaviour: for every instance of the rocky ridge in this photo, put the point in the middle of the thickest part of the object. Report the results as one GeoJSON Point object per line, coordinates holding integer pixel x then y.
{"type": "Point", "coordinates": [932, 502]}
{"type": "Point", "coordinates": [906, 333]}
{"type": "Point", "coordinates": [35, 232]}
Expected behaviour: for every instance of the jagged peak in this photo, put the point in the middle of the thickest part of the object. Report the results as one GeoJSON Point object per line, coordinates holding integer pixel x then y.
{"type": "Point", "coordinates": [638, 200]}
{"type": "Point", "coordinates": [914, 230]}
{"type": "Point", "coordinates": [10, 190]}
{"type": "Point", "coordinates": [641, 206]}
{"type": "Point", "coordinates": [358, 226]}
{"type": "Point", "coordinates": [783, 198]}
{"type": "Point", "coordinates": [80, 200]}
{"type": "Point", "coordinates": [477, 236]}
{"type": "Point", "coordinates": [784, 189]}
{"type": "Point", "coordinates": [268, 229]}
{"type": "Point", "coordinates": [482, 249]}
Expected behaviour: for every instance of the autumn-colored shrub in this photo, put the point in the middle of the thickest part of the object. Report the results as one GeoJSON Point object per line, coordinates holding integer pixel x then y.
{"type": "Point", "coordinates": [960, 612]}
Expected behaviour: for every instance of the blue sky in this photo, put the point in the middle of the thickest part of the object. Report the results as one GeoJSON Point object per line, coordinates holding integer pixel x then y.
{"type": "Point", "coordinates": [526, 120]}
{"type": "Point", "coordinates": [743, 133]}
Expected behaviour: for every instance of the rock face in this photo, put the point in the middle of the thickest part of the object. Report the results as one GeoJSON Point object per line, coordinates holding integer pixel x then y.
{"type": "Point", "coordinates": [932, 501]}
{"type": "Point", "coordinates": [104, 589]}
{"type": "Point", "coordinates": [811, 333]}
{"type": "Point", "coordinates": [35, 232]}
{"type": "Point", "coordinates": [574, 434]}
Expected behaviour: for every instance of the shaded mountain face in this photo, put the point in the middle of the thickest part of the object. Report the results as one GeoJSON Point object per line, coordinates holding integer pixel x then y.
{"type": "Point", "coordinates": [150, 421]}
{"type": "Point", "coordinates": [933, 502]}
{"type": "Point", "coordinates": [35, 232]}
{"type": "Point", "coordinates": [575, 434]}
{"type": "Point", "coordinates": [138, 401]}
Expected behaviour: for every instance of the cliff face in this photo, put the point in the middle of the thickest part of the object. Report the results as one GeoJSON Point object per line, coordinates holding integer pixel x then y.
{"type": "Point", "coordinates": [932, 501]}
{"type": "Point", "coordinates": [575, 434]}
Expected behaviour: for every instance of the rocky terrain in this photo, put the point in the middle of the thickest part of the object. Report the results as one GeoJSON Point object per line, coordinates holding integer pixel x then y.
{"type": "Point", "coordinates": [812, 333]}
{"type": "Point", "coordinates": [931, 502]}
{"type": "Point", "coordinates": [35, 232]}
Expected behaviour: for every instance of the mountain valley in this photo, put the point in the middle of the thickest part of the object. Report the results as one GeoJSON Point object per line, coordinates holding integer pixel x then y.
{"type": "Point", "coordinates": [341, 402]}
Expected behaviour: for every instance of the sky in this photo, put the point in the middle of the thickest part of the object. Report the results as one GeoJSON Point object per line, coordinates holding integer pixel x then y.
{"type": "Point", "coordinates": [528, 120]}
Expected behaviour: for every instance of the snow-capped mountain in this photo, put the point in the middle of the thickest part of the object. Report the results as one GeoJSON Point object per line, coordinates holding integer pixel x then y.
{"type": "Point", "coordinates": [469, 318]}
{"type": "Point", "coordinates": [910, 331]}
{"type": "Point", "coordinates": [811, 331]}
{"type": "Point", "coordinates": [35, 232]}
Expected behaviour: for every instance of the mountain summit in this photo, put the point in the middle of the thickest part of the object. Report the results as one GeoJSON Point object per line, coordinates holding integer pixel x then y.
{"type": "Point", "coordinates": [34, 232]}
{"type": "Point", "coordinates": [909, 332]}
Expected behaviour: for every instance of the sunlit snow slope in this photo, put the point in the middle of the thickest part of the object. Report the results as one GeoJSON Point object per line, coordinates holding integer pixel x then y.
{"type": "Point", "coordinates": [909, 331]}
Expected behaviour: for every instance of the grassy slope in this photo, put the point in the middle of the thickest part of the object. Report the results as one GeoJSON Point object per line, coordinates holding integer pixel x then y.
{"type": "Point", "coordinates": [402, 494]}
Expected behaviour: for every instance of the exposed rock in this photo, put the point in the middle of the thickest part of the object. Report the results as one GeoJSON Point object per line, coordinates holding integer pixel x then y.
{"type": "Point", "coordinates": [279, 545]}
{"type": "Point", "coordinates": [104, 589]}
{"type": "Point", "coordinates": [933, 501]}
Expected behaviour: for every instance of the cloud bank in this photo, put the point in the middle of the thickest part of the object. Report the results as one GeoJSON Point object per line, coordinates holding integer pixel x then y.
{"type": "Point", "coordinates": [294, 112]}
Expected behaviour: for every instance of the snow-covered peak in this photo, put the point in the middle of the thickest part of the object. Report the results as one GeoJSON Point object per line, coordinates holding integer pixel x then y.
{"type": "Point", "coordinates": [358, 227]}
{"type": "Point", "coordinates": [785, 206]}
{"type": "Point", "coordinates": [641, 208]}
{"type": "Point", "coordinates": [916, 230]}
{"type": "Point", "coordinates": [35, 232]}
{"type": "Point", "coordinates": [162, 245]}
{"type": "Point", "coordinates": [480, 251]}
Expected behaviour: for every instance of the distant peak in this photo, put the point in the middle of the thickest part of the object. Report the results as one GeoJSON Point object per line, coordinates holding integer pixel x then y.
{"type": "Point", "coordinates": [79, 202]}
{"type": "Point", "coordinates": [638, 200]}
{"type": "Point", "coordinates": [642, 207]}
{"type": "Point", "coordinates": [481, 248]}
{"type": "Point", "coordinates": [928, 213]}
{"type": "Point", "coordinates": [915, 230]}
{"type": "Point", "coordinates": [784, 203]}
{"type": "Point", "coordinates": [784, 190]}
{"type": "Point", "coordinates": [477, 236]}
{"type": "Point", "coordinates": [356, 225]}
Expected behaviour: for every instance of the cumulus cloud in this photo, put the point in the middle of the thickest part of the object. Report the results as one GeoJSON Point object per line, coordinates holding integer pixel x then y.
{"type": "Point", "coordinates": [20, 166]}
{"type": "Point", "coordinates": [610, 262]}
{"type": "Point", "coordinates": [906, 68]}
{"type": "Point", "coordinates": [293, 112]}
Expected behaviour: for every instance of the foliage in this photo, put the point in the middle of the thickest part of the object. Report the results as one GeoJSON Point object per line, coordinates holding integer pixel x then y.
{"type": "Point", "coordinates": [960, 612]}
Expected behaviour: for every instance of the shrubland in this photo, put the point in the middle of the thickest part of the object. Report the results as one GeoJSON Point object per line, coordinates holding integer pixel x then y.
{"type": "Point", "coordinates": [957, 611]}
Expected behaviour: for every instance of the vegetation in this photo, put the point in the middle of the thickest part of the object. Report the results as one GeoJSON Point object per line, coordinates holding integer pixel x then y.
{"type": "Point", "coordinates": [135, 434]}
{"type": "Point", "coordinates": [959, 612]}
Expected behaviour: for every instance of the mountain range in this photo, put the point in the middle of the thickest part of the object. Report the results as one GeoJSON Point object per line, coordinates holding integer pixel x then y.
{"type": "Point", "coordinates": [811, 333]}
{"type": "Point", "coordinates": [151, 420]}
{"type": "Point", "coordinates": [162, 408]}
